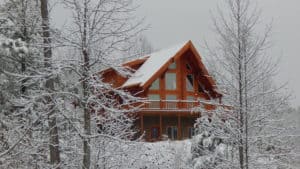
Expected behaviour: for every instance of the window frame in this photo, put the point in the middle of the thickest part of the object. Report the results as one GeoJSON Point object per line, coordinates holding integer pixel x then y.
{"type": "Point", "coordinates": [152, 133]}
{"type": "Point", "coordinates": [191, 131]}
{"type": "Point", "coordinates": [174, 82]}
{"type": "Point", "coordinates": [172, 136]}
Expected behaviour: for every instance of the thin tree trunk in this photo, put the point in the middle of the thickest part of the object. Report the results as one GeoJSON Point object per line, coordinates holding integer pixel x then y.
{"type": "Point", "coordinates": [87, 116]}
{"type": "Point", "coordinates": [54, 140]}
{"type": "Point", "coordinates": [24, 38]}
{"type": "Point", "coordinates": [246, 109]}
{"type": "Point", "coordinates": [240, 73]}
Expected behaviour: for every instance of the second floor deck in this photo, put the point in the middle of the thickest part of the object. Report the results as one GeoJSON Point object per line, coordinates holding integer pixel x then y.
{"type": "Point", "coordinates": [175, 105]}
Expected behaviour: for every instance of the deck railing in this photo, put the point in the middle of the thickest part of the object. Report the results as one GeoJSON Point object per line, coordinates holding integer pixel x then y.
{"type": "Point", "coordinates": [170, 104]}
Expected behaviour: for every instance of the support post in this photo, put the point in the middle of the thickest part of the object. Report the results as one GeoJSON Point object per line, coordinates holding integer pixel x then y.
{"type": "Point", "coordinates": [160, 126]}
{"type": "Point", "coordinates": [179, 127]}
{"type": "Point", "coordinates": [142, 123]}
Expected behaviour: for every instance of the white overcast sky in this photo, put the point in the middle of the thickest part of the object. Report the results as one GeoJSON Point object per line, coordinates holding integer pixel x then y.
{"type": "Point", "coordinates": [175, 21]}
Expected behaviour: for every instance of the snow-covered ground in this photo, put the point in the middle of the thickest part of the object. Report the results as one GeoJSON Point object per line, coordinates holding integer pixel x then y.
{"type": "Point", "coordinates": [167, 154]}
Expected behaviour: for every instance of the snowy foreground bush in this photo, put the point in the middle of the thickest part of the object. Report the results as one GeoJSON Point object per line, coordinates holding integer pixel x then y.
{"type": "Point", "coordinates": [158, 155]}
{"type": "Point", "coordinates": [199, 153]}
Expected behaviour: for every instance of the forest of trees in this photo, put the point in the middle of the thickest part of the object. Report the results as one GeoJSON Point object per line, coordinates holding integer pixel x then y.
{"type": "Point", "coordinates": [49, 91]}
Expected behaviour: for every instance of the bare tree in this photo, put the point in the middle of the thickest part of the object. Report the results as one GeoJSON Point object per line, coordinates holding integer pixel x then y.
{"type": "Point", "coordinates": [245, 72]}
{"type": "Point", "coordinates": [99, 29]}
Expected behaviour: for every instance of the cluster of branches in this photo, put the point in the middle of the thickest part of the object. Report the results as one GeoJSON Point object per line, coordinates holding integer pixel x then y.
{"type": "Point", "coordinates": [245, 72]}
{"type": "Point", "coordinates": [56, 112]}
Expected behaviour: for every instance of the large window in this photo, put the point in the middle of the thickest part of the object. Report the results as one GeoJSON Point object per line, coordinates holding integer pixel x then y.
{"type": "Point", "coordinates": [171, 101]}
{"type": "Point", "coordinates": [172, 132]}
{"type": "Point", "coordinates": [171, 81]}
{"type": "Point", "coordinates": [155, 85]}
{"type": "Point", "coordinates": [191, 102]}
{"type": "Point", "coordinates": [190, 82]}
{"type": "Point", "coordinates": [171, 97]}
{"type": "Point", "coordinates": [154, 101]}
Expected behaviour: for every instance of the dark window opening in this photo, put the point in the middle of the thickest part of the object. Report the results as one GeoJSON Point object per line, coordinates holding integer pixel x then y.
{"type": "Point", "coordinates": [190, 82]}
{"type": "Point", "coordinates": [200, 88]}
{"type": "Point", "coordinates": [172, 132]}
{"type": "Point", "coordinates": [188, 67]}
{"type": "Point", "coordinates": [155, 133]}
{"type": "Point", "coordinates": [191, 132]}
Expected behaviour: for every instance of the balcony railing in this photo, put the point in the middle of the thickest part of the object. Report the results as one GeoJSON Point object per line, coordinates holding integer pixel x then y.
{"type": "Point", "coordinates": [174, 104]}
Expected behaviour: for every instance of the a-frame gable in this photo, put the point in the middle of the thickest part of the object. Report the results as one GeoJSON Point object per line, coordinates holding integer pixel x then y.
{"type": "Point", "coordinates": [188, 47]}
{"type": "Point", "coordinates": [153, 66]}
{"type": "Point", "coordinates": [202, 73]}
{"type": "Point", "coordinates": [165, 66]}
{"type": "Point", "coordinates": [157, 63]}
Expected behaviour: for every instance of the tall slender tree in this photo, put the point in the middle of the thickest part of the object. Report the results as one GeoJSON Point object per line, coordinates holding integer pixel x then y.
{"type": "Point", "coordinates": [53, 129]}
{"type": "Point", "coordinates": [245, 72]}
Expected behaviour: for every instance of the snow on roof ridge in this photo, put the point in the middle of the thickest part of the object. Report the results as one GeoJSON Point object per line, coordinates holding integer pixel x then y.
{"type": "Point", "coordinates": [155, 61]}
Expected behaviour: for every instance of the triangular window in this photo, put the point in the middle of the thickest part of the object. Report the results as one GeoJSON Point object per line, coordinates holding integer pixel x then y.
{"type": "Point", "coordinates": [155, 85]}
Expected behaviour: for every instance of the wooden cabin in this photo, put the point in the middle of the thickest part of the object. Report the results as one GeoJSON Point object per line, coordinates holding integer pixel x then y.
{"type": "Point", "coordinates": [173, 81]}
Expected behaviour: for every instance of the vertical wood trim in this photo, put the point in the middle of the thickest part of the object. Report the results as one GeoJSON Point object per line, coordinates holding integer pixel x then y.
{"type": "Point", "coordinates": [162, 90]}
{"type": "Point", "coordinates": [179, 127]}
{"type": "Point", "coordinates": [160, 126]}
{"type": "Point", "coordinates": [142, 123]}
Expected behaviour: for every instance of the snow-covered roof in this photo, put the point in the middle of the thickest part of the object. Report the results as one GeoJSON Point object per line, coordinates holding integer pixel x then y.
{"type": "Point", "coordinates": [152, 64]}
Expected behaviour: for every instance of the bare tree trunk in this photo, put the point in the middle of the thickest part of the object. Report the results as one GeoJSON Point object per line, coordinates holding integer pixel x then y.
{"type": "Point", "coordinates": [87, 116]}
{"type": "Point", "coordinates": [240, 73]}
{"type": "Point", "coordinates": [54, 140]}
{"type": "Point", "coordinates": [24, 38]}
{"type": "Point", "coordinates": [246, 108]}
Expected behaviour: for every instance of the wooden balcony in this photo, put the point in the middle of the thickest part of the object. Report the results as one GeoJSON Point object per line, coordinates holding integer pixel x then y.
{"type": "Point", "coordinates": [174, 105]}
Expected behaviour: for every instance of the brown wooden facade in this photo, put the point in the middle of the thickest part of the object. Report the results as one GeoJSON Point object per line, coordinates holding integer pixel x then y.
{"type": "Point", "coordinates": [171, 93]}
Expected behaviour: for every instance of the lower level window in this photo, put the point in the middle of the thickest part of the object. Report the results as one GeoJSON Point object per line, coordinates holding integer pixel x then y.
{"type": "Point", "coordinates": [172, 132]}
{"type": "Point", "coordinates": [154, 132]}
{"type": "Point", "coordinates": [191, 132]}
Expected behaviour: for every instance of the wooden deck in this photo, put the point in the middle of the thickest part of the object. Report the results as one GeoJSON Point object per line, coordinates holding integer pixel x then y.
{"type": "Point", "coordinates": [174, 105]}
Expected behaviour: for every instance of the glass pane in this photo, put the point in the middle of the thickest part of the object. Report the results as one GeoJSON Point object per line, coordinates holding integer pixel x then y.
{"type": "Point", "coordinates": [190, 98]}
{"type": "Point", "coordinates": [170, 104]}
{"type": "Point", "coordinates": [171, 97]}
{"type": "Point", "coordinates": [190, 82]}
{"type": "Point", "coordinates": [175, 133]}
{"type": "Point", "coordinates": [155, 85]}
{"type": "Point", "coordinates": [172, 132]}
{"type": "Point", "coordinates": [190, 103]}
{"type": "Point", "coordinates": [153, 97]}
{"type": "Point", "coordinates": [155, 133]}
{"type": "Point", "coordinates": [154, 101]}
{"type": "Point", "coordinates": [170, 81]}
{"type": "Point", "coordinates": [169, 130]}
{"type": "Point", "coordinates": [172, 66]}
